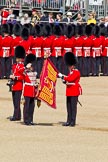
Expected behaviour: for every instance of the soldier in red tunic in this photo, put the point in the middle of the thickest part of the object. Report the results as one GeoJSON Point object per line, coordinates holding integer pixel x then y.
{"type": "Point", "coordinates": [68, 43]}
{"type": "Point", "coordinates": [37, 48]}
{"type": "Point", "coordinates": [26, 41]}
{"type": "Point", "coordinates": [96, 51]}
{"type": "Point", "coordinates": [47, 41]}
{"type": "Point", "coordinates": [16, 39]}
{"type": "Point", "coordinates": [57, 48]}
{"type": "Point", "coordinates": [102, 37]}
{"type": "Point", "coordinates": [87, 45]}
{"type": "Point", "coordinates": [5, 51]}
{"type": "Point", "coordinates": [17, 77]}
{"type": "Point", "coordinates": [78, 46]}
{"type": "Point", "coordinates": [30, 89]}
{"type": "Point", "coordinates": [105, 54]}
{"type": "Point", "coordinates": [73, 88]}
{"type": "Point", "coordinates": [31, 32]}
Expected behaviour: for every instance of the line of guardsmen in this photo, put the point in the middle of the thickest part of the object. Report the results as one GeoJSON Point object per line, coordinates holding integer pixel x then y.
{"type": "Point", "coordinates": [89, 43]}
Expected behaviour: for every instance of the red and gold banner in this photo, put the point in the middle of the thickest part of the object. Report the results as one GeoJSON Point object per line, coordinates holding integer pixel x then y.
{"type": "Point", "coordinates": [48, 78]}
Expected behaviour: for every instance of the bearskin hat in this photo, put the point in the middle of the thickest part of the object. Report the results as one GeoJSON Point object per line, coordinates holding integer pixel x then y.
{"type": "Point", "coordinates": [52, 26]}
{"type": "Point", "coordinates": [97, 31]}
{"type": "Point", "coordinates": [79, 30]}
{"type": "Point", "coordinates": [57, 30]}
{"type": "Point", "coordinates": [102, 29]}
{"type": "Point", "coordinates": [69, 31]}
{"type": "Point", "coordinates": [106, 31]}
{"type": "Point", "coordinates": [11, 28]}
{"type": "Point", "coordinates": [88, 30]}
{"type": "Point", "coordinates": [17, 29]}
{"type": "Point", "coordinates": [20, 52]}
{"type": "Point", "coordinates": [73, 29]}
{"type": "Point", "coordinates": [31, 58]}
{"type": "Point", "coordinates": [38, 30]}
{"type": "Point", "coordinates": [5, 28]}
{"type": "Point", "coordinates": [93, 27]}
{"type": "Point", "coordinates": [30, 28]}
{"type": "Point", "coordinates": [63, 26]}
{"type": "Point", "coordinates": [70, 59]}
{"type": "Point", "coordinates": [25, 33]}
{"type": "Point", "coordinates": [47, 31]}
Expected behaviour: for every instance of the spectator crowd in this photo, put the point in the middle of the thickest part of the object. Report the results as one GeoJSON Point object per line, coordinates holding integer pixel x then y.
{"type": "Point", "coordinates": [7, 16]}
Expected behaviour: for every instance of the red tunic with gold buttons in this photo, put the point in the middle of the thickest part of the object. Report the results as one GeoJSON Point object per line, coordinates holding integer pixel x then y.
{"type": "Point", "coordinates": [57, 46]}
{"type": "Point", "coordinates": [78, 46]}
{"type": "Point", "coordinates": [96, 47]}
{"type": "Point", "coordinates": [31, 40]}
{"type": "Point", "coordinates": [72, 81]}
{"type": "Point", "coordinates": [68, 45]}
{"type": "Point", "coordinates": [46, 46]}
{"type": "Point", "coordinates": [92, 36]}
{"type": "Point", "coordinates": [30, 89]}
{"type": "Point", "coordinates": [37, 47]}
{"type": "Point", "coordinates": [105, 47]}
{"type": "Point", "coordinates": [18, 72]}
{"type": "Point", "coordinates": [26, 44]}
{"type": "Point", "coordinates": [87, 45]}
{"type": "Point", "coordinates": [5, 46]}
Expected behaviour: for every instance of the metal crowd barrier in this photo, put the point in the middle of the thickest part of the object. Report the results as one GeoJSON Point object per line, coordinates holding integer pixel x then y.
{"type": "Point", "coordinates": [100, 11]}
{"type": "Point", "coordinates": [54, 4]}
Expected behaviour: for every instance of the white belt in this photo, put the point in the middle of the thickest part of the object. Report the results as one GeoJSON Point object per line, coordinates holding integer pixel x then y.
{"type": "Point", "coordinates": [68, 49]}
{"type": "Point", "coordinates": [36, 48]}
{"type": "Point", "coordinates": [77, 48]}
{"type": "Point", "coordinates": [98, 48]}
{"type": "Point", "coordinates": [57, 48]}
{"type": "Point", "coordinates": [86, 48]}
{"type": "Point", "coordinates": [85, 51]}
{"type": "Point", "coordinates": [4, 18]}
{"type": "Point", "coordinates": [71, 83]}
{"type": "Point", "coordinates": [30, 84]}
{"type": "Point", "coordinates": [95, 48]}
{"type": "Point", "coordinates": [68, 83]}
{"type": "Point", "coordinates": [47, 48]}
{"type": "Point", "coordinates": [6, 48]}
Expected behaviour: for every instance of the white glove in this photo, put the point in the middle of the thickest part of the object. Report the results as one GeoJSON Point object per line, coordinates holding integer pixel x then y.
{"type": "Point", "coordinates": [60, 75]}
{"type": "Point", "coordinates": [28, 65]}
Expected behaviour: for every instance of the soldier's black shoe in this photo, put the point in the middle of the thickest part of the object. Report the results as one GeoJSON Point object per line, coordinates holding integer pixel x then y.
{"type": "Point", "coordinates": [14, 119]}
{"type": "Point", "coordinates": [72, 124]}
{"type": "Point", "coordinates": [95, 75]}
{"type": "Point", "coordinates": [27, 123]}
{"type": "Point", "coordinates": [66, 124]}
{"type": "Point", "coordinates": [103, 74]}
{"type": "Point", "coordinates": [31, 123]}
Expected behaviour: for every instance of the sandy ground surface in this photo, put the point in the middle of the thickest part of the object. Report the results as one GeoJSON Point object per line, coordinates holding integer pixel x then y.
{"type": "Point", "coordinates": [48, 140]}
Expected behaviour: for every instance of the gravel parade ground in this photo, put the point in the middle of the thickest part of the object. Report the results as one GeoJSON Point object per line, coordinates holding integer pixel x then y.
{"type": "Point", "coordinates": [48, 140]}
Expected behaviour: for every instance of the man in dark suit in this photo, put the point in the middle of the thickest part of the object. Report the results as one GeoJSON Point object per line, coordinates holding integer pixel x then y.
{"type": "Point", "coordinates": [68, 18]}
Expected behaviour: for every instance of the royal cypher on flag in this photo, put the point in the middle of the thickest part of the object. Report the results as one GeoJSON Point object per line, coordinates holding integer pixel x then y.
{"type": "Point", "coordinates": [47, 87]}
